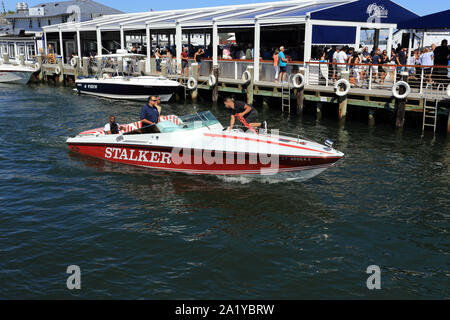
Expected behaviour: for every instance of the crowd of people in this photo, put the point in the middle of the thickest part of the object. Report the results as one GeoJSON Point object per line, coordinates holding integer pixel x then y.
{"type": "Point", "coordinates": [432, 62]}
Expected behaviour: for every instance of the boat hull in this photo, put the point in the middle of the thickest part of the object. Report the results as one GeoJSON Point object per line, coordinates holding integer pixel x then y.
{"type": "Point", "coordinates": [123, 91]}
{"type": "Point", "coordinates": [16, 77]}
{"type": "Point", "coordinates": [206, 162]}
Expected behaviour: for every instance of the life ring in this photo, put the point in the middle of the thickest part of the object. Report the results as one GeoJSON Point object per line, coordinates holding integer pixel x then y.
{"type": "Point", "coordinates": [192, 83]}
{"type": "Point", "coordinates": [73, 62]}
{"type": "Point", "coordinates": [247, 77]}
{"type": "Point", "coordinates": [396, 87]}
{"type": "Point", "coordinates": [298, 81]}
{"type": "Point", "coordinates": [58, 70]}
{"type": "Point", "coordinates": [448, 90]}
{"type": "Point", "coordinates": [337, 87]}
{"type": "Point", "coordinates": [212, 80]}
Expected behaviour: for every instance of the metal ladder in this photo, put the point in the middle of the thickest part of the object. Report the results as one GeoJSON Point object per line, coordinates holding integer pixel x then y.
{"type": "Point", "coordinates": [430, 113]}
{"type": "Point", "coordinates": [286, 95]}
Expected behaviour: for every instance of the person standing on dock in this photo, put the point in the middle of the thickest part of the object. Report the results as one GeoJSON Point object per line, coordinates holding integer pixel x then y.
{"type": "Point", "coordinates": [184, 62]}
{"type": "Point", "coordinates": [276, 64]}
{"type": "Point", "coordinates": [441, 57]}
{"type": "Point", "coordinates": [149, 113]}
{"type": "Point", "coordinates": [198, 58]}
{"type": "Point", "coordinates": [283, 65]}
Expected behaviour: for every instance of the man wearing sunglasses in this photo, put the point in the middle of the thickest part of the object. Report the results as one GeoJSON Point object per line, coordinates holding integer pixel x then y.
{"type": "Point", "coordinates": [149, 113]}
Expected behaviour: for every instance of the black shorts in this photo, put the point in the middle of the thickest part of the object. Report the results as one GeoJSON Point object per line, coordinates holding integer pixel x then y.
{"type": "Point", "coordinates": [184, 64]}
{"type": "Point", "coordinates": [427, 71]}
{"type": "Point", "coordinates": [252, 117]}
{"type": "Point", "coordinates": [283, 69]}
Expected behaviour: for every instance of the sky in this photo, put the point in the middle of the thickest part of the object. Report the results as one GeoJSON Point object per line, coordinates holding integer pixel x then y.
{"type": "Point", "coordinates": [420, 7]}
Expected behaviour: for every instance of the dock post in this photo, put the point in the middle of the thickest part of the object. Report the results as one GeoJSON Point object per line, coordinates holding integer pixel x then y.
{"type": "Point", "coordinates": [371, 118]}
{"type": "Point", "coordinates": [250, 87]}
{"type": "Point", "coordinates": [22, 59]}
{"type": "Point", "coordinates": [41, 67]}
{"type": "Point", "coordinates": [61, 67]}
{"type": "Point", "coordinates": [448, 123]}
{"type": "Point", "coordinates": [86, 67]}
{"type": "Point", "coordinates": [319, 111]}
{"type": "Point", "coordinates": [401, 105]}
{"type": "Point", "coordinates": [5, 58]}
{"type": "Point", "coordinates": [164, 68]}
{"type": "Point", "coordinates": [153, 65]}
{"type": "Point", "coordinates": [194, 73]}
{"type": "Point", "coordinates": [76, 68]}
{"type": "Point", "coordinates": [301, 95]}
{"type": "Point", "coordinates": [343, 100]}
{"type": "Point", "coordinates": [215, 92]}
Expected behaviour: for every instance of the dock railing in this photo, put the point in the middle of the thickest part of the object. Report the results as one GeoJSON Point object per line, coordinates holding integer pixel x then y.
{"type": "Point", "coordinates": [377, 76]}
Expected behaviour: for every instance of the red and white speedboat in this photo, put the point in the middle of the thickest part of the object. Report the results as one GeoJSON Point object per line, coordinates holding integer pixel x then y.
{"type": "Point", "coordinates": [199, 144]}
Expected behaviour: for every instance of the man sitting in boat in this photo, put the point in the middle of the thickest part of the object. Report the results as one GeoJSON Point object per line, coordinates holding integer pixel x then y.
{"type": "Point", "coordinates": [113, 127]}
{"type": "Point", "coordinates": [242, 110]}
{"type": "Point", "coordinates": [150, 113]}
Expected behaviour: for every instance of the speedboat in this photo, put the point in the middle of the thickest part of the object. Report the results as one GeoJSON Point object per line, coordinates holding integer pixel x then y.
{"type": "Point", "coordinates": [118, 80]}
{"type": "Point", "coordinates": [199, 144]}
{"type": "Point", "coordinates": [16, 73]}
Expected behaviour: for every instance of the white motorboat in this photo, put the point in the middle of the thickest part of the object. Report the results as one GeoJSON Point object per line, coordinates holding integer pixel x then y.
{"type": "Point", "coordinates": [199, 144]}
{"type": "Point", "coordinates": [119, 82]}
{"type": "Point", "coordinates": [16, 73]}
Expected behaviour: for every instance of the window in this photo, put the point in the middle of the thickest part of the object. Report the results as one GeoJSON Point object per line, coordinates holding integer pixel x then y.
{"type": "Point", "coordinates": [12, 50]}
{"type": "Point", "coordinates": [31, 51]}
{"type": "Point", "coordinates": [49, 22]}
{"type": "Point", "coordinates": [39, 22]}
{"type": "Point", "coordinates": [4, 48]}
{"type": "Point", "coordinates": [21, 50]}
{"type": "Point", "coordinates": [30, 25]}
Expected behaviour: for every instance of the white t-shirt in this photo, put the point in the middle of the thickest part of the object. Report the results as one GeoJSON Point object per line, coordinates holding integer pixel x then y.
{"type": "Point", "coordinates": [108, 127]}
{"type": "Point", "coordinates": [426, 59]}
{"type": "Point", "coordinates": [340, 57]}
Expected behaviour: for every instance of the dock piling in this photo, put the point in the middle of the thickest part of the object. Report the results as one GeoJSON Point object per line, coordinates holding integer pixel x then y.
{"type": "Point", "coordinates": [215, 91]}
{"type": "Point", "coordinates": [61, 67]}
{"type": "Point", "coordinates": [301, 95]}
{"type": "Point", "coordinates": [250, 86]}
{"type": "Point", "coordinates": [40, 61]}
{"type": "Point", "coordinates": [85, 70]}
{"type": "Point", "coordinates": [194, 73]}
{"type": "Point", "coordinates": [343, 100]}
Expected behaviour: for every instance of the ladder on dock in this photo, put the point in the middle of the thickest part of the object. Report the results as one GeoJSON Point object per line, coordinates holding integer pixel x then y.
{"type": "Point", "coordinates": [430, 113]}
{"type": "Point", "coordinates": [286, 95]}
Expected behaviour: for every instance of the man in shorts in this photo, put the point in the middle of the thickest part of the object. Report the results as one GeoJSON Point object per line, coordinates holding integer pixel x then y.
{"type": "Point", "coordinates": [184, 62]}
{"type": "Point", "coordinates": [282, 61]}
{"type": "Point", "coordinates": [249, 113]}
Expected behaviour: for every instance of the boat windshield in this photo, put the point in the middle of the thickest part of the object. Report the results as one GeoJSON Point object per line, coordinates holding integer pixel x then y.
{"type": "Point", "coordinates": [200, 119]}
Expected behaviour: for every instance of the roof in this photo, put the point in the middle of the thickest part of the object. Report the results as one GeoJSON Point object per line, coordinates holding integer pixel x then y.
{"type": "Point", "coordinates": [52, 9]}
{"type": "Point", "coordinates": [268, 13]}
{"type": "Point", "coordinates": [439, 20]}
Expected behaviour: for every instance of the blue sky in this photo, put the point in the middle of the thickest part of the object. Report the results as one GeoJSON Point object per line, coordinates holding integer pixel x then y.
{"type": "Point", "coordinates": [421, 7]}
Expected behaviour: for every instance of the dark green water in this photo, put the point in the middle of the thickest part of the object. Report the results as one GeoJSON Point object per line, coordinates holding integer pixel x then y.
{"type": "Point", "coordinates": [137, 233]}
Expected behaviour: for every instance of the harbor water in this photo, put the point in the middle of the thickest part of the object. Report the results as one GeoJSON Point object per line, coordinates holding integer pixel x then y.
{"type": "Point", "coordinates": [137, 233]}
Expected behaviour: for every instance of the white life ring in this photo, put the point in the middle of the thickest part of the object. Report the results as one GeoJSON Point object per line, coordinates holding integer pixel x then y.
{"type": "Point", "coordinates": [212, 80]}
{"type": "Point", "coordinates": [58, 70]}
{"type": "Point", "coordinates": [396, 87]}
{"type": "Point", "coordinates": [73, 62]}
{"type": "Point", "coordinates": [192, 83]}
{"type": "Point", "coordinates": [247, 77]}
{"type": "Point", "coordinates": [448, 90]}
{"type": "Point", "coordinates": [337, 87]}
{"type": "Point", "coordinates": [298, 81]}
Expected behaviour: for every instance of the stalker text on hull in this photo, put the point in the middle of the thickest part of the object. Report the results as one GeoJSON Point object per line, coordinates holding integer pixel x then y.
{"type": "Point", "coordinates": [198, 144]}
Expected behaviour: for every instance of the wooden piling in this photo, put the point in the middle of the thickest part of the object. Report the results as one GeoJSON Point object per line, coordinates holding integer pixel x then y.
{"type": "Point", "coordinates": [319, 111]}
{"type": "Point", "coordinates": [251, 86]}
{"type": "Point", "coordinates": [5, 58]}
{"type": "Point", "coordinates": [76, 68]}
{"type": "Point", "coordinates": [301, 95]}
{"type": "Point", "coordinates": [164, 68]}
{"type": "Point", "coordinates": [371, 118]}
{"type": "Point", "coordinates": [40, 61]}
{"type": "Point", "coordinates": [22, 59]}
{"type": "Point", "coordinates": [448, 123]}
{"type": "Point", "coordinates": [194, 73]}
{"type": "Point", "coordinates": [61, 67]}
{"type": "Point", "coordinates": [343, 100]}
{"type": "Point", "coordinates": [215, 92]}
{"type": "Point", "coordinates": [85, 70]}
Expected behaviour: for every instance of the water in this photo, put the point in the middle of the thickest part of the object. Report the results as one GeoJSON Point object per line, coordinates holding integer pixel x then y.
{"type": "Point", "coordinates": [137, 233]}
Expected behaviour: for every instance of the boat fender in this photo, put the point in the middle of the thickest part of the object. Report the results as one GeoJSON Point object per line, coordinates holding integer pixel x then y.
{"type": "Point", "coordinates": [448, 90]}
{"type": "Point", "coordinates": [58, 70]}
{"type": "Point", "coordinates": [246, 77]}
{"type": "Point", "coordinates": [339, 84]}
{"type": "Point", "coordinates": [396, 87]}
{"type": "Point", "coordinates": [73, 62]}
{"type": "Point", "coordinates": [212, 80]}
{"type": "Point", "coordinates": [192, 83]}
{"type": "Point", "coordinates": [298, 81]}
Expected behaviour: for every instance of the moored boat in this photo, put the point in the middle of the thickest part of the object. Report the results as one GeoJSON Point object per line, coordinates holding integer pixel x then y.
{"type": "Point", "coordinates": [18, 74]}
{"type": "Point", "coordinates": [199, 144]}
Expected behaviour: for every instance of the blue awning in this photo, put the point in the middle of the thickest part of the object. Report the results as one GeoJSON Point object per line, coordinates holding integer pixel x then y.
{"type": "Point", "coordinates": [333, 35]}
{"type": "Point", "coordinates": [440, 20]}
{"type": "Point", "coordinates": [371, 11]}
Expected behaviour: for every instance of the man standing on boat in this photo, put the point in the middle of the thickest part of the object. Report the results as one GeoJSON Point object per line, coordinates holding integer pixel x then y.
{"type": "Point", "coordinates": [241, 109]}
{"type": "Point", "coordinates": [149, 113]}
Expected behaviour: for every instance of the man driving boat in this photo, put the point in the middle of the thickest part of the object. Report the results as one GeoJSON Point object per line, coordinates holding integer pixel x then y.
{"type": "Point", "coordinates": [150, 113]}
{"type": "Point", "coordinates": [242, 109]}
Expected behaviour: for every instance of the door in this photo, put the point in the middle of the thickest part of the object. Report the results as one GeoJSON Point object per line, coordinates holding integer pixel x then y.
{"type": "Point", "coordinates": [70, 48]}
